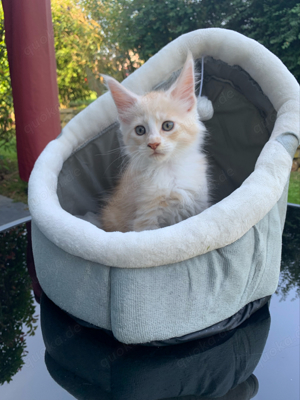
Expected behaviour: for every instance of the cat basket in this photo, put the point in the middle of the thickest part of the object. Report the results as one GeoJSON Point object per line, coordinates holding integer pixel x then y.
{"type": "Point", "coordinates": [207, 273]}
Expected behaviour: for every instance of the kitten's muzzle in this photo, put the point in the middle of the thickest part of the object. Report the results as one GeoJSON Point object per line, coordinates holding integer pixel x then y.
{"type": "Point", "coordinates": [153, 146]}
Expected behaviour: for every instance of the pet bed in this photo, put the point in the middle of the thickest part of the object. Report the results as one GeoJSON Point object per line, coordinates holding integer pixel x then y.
{"type": "Point", "coordinates": [204, 274]}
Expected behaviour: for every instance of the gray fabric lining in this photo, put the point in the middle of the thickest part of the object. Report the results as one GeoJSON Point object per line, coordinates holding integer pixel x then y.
{"type": "Point", "coordinates": [242, 82]}
{"type": "Point", "coordinates": [242, 123]}
{"type": "Point", "coordinates": [90, 173]}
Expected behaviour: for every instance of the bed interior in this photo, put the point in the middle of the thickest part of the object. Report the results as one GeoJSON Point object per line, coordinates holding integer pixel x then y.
{"type": "Point", "coordinates": [241, 125]}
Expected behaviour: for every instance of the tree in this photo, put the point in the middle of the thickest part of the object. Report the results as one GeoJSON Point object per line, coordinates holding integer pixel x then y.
{"type": "Point", "coordinates": [7, 129]}
{"type": "Point", "coordinates": [274, 23]}
{"type": "Point", "coordinates": [16, 302]}
{"type": "Point", "coordinates": [78, 39]}
{"type": "Point", "coordinates": [147, 26]}
{"type": "Point", "coordinates": [119, 56]}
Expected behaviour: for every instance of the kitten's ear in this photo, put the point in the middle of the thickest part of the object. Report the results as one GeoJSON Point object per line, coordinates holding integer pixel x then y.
{"type": "Point", "coordinates": [184, 87]}
{"type": "Point", "coordinates": [124, 99]}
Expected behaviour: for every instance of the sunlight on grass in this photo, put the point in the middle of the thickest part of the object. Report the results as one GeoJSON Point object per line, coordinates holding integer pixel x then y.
{"type": "Point", "coordinates": [10, 183]}
{"type": "Point", "coordinates": [9, 151]}
{"type": "Point", "coordinates": [294, 188]}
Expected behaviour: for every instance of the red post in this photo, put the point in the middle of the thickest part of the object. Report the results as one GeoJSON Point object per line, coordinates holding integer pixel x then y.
{"type": "Point", "coordinates": [31, 56]}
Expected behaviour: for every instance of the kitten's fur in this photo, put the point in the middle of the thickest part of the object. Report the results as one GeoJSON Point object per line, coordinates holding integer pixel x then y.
{"type": "Point", "coordinates": [166, 182]}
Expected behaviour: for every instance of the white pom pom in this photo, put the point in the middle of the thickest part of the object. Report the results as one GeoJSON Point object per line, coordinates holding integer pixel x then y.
{"type": "Point", "coordinates": [205, 108]}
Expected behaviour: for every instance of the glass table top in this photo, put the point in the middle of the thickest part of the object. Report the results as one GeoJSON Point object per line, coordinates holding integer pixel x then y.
{"type": "Point", "coordinates": [47, 355]}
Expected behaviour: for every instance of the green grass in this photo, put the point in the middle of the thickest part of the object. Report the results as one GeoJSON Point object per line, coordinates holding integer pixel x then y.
{"type": "Point", "coordinates": [83, 103]}
{"type": "Point", "coordinates": [10, 183]}
{"type": "Point", "coordinates": [9, 151]}
{"type": "Point", "coordinates": [294, 188]}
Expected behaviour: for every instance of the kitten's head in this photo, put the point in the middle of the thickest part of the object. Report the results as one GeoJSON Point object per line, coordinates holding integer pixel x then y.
{"type": "Point", "coordinates": [159, 124]}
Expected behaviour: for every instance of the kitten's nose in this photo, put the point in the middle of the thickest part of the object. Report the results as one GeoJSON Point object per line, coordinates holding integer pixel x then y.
{"type": "Point", "coordinates": [153, 145]}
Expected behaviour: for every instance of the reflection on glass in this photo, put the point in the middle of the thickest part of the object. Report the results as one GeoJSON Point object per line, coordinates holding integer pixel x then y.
{"type": "Point", "coordinates": [290, 263]}
{"type": "Point", "coordinates": [16, 302]}
{"type": "Point", "coordinates": [90, 364]}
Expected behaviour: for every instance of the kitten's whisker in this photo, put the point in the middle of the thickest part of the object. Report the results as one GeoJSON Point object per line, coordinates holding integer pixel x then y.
{"type": "Point", "coordinates": [118, 158]}
{"type": "Point", "coordinates": [118, 149]}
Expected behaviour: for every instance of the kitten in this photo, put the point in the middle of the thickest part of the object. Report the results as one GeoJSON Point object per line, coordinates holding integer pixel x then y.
{"type": "Point", "coordinates": [165, 180]}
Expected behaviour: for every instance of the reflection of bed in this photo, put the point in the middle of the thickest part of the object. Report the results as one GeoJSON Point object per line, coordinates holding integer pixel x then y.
{"type": "Point", "coordinates": [91, 365]}
{"type": "Point", "coordinates": [175, 281]}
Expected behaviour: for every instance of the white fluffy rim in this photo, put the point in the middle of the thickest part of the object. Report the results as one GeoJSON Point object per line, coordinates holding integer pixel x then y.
{"type": "Point", "coordinates": [218, 226]}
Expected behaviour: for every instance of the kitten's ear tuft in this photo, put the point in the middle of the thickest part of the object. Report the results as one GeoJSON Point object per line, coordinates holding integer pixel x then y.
{"type": "Point", "coordinates": [124, 99]}
{"type": "Point", "coordinates": [184, 87]}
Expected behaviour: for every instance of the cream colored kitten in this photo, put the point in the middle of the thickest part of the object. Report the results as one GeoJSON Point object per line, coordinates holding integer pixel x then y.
{"type": "Point", "coordinates": [165, 181]}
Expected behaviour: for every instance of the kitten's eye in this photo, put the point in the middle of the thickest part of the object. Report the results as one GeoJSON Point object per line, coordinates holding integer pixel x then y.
{"type": "Point", "coordinates": [167, 126]}
{"type": "Point", "coordinates": [140, 130]}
